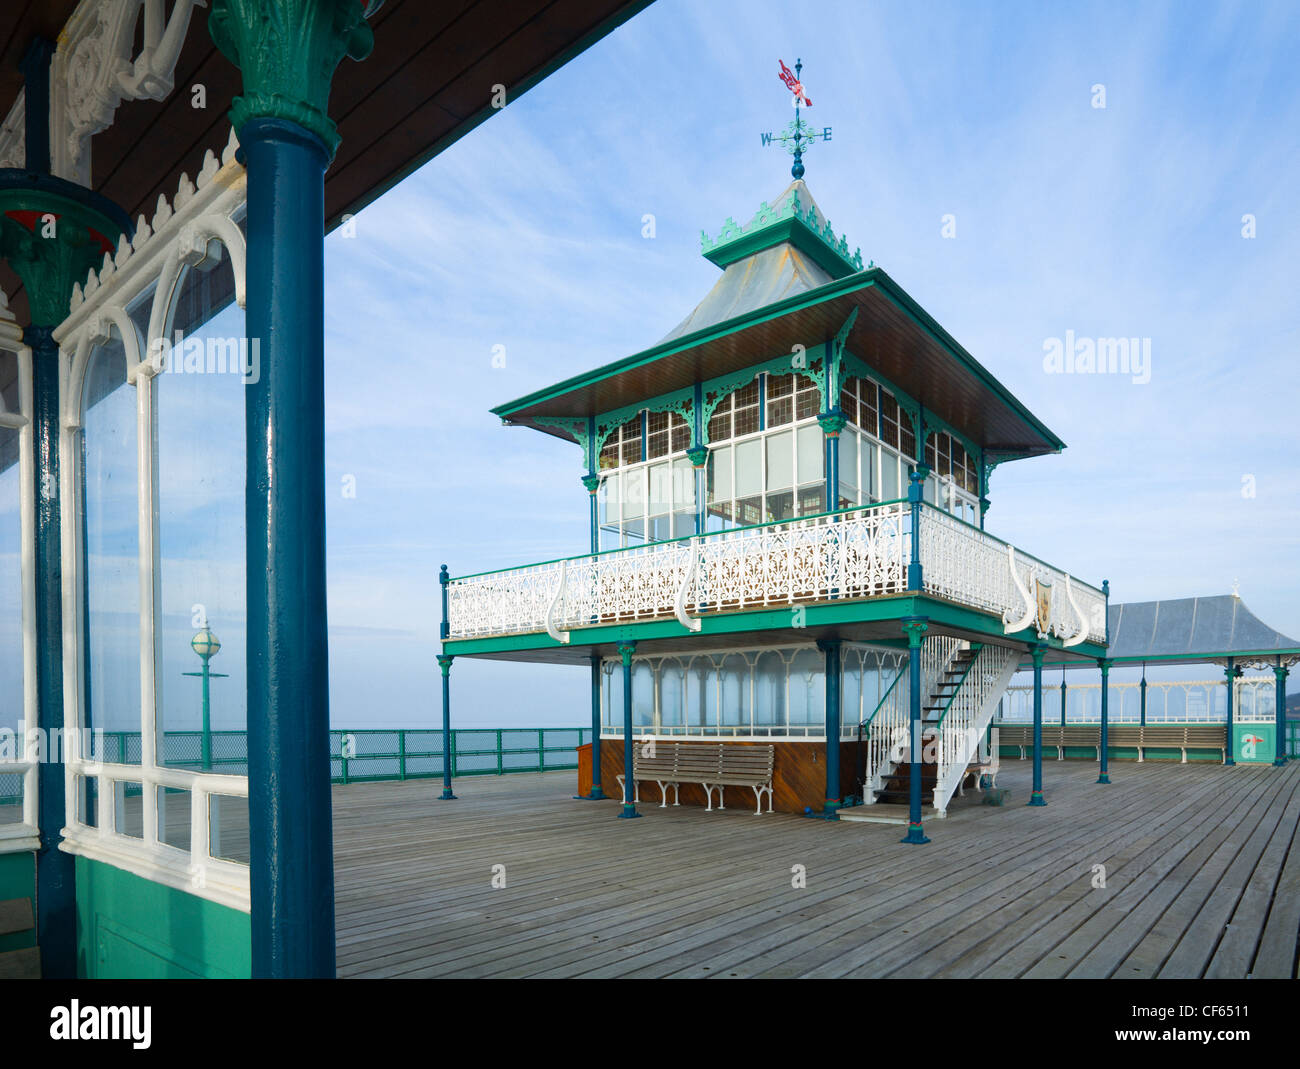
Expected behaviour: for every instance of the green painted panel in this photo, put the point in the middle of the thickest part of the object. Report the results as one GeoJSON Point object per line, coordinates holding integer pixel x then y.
{"type": "Point", "coordinates": [17, 880]}
{"type": "Point", "coordinates": [132, 928]}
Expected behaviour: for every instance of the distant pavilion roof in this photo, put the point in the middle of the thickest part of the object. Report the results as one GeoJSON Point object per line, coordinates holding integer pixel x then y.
{"type": "Point", "coordinates": [1193, 629]}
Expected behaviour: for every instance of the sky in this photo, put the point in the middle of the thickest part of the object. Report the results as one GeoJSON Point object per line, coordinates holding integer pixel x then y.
{"type": "Point", "coordinates": [979, 120]}
{"type": "Point", "coordinates": [1122, 221]}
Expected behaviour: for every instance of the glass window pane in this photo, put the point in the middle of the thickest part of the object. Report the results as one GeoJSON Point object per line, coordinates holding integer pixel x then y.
{"type": "Point", "coordinates": [11, 601]}
{"type": "Point", "coordinates": [749, 468]}
{"type": "Point", "coordinates": [201, 542]}
{"type": "Point", "coordinates": [228, 828]}
{"type": "Point", "coordinates": [661, 488]}
{"type": "Point", "coordinates": [889, 476]}
{"type": "Point", "coordinates": [720, 488]}
{"type": "Point", "coordinates": [849, 461]}
{"type": "Point", "coordinates": [769, 690]}
{"type": "Point", "coordinates": [671, 694]}
{"type": "Point", "coordinates": [174, 818]}
{"type": "Point", "coordinates": [112, 545]}
{"type": "Point", "coordinates": [643, 695]}
{"type": "Point", "coordinates": [780, 460]}
{"type": "Point", "coordinates": [812, 453]}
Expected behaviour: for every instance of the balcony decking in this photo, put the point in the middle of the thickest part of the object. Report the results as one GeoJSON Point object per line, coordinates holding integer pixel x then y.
{"type": "Point", "coordinates": [1202, 879]}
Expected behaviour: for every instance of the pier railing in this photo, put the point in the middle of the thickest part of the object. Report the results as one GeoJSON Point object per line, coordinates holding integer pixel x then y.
{"type": "Point", "coordinates": [361, 755]}
{"type": "Point", "coordinates": [847, 554]}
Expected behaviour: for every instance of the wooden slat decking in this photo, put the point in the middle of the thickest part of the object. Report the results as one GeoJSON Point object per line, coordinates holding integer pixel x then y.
{"type": "Point", "coordinates": [1202, 873]}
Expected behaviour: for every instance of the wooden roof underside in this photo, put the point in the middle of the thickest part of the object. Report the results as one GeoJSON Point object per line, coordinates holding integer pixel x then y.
{"type": "Point", "coordinates": [427, 83]}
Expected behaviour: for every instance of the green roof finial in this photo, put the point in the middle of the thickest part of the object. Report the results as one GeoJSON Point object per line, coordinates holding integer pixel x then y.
{"type": "Point", "coordinates": [797, 135]}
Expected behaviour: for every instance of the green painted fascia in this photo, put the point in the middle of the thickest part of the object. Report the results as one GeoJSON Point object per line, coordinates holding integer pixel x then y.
{"type": "Point", "coordinates": [634, 7]}
{"type": "Point", "coordinates": [793, 231]}
{"type": "Point", "coordinates": [819, 614]}
{"type": "Point", "coordinates": [1195, 658]}
{"type": "Point", "coordinates": [849, 284]}
{"type": "Point", "coordinates": [132, 928]}
{"type": "Point", "coordinates": [18, 880]}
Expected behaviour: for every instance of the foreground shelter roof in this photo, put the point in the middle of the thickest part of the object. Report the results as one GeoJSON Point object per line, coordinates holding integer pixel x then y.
{"type": "Point", "coordinates": [428, 82]}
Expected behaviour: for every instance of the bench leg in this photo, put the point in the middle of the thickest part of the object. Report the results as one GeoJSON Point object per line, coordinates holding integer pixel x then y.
{"type": "Point", "coordinates": [1184, 761]}
{"type": "Point", "coordinates": [677, 794]}
{"type": "Point", "coordinates": [708, 793]}
{"type": "Point", "coordinates": [758, 799]}
{"type": "Point", "coordinates": [663, 790]}
{"type": "Point", "coordinates": [1139, 755]}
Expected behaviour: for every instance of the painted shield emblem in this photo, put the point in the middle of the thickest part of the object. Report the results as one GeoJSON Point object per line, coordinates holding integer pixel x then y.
{"type": "Point", "coordinates": [1043, 587]}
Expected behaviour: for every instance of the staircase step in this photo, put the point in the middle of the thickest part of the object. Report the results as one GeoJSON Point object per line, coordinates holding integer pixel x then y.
{"type": "Point", "coordinates": [22, 964]}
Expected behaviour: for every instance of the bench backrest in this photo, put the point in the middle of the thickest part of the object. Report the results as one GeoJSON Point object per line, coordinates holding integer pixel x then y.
{"type": "Point", "coordinates": [702, 759]}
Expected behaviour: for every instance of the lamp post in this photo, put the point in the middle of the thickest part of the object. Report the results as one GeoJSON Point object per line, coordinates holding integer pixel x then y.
{"type": "Point", "coordinates": [206, 645]}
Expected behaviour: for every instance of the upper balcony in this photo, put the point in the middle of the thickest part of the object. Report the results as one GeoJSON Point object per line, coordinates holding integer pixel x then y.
{"type": "Point", "coordinates": [853, 555]}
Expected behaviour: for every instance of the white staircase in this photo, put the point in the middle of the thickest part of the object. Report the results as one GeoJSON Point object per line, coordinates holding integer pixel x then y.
{"type": "Point", "coordinates": [961, 685]}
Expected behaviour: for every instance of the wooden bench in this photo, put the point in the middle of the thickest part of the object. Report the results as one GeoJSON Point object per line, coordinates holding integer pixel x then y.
{"type": "Point", "coordinates": [713, 765]}
{"type": "Point", "coordinates": [1140, 737]}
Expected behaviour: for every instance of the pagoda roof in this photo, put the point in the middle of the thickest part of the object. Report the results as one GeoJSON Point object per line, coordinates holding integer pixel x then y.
{"type": "Point", "coordinates": [788, 281]}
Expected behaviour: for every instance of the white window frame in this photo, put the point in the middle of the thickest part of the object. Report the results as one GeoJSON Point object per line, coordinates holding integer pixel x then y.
{"type": "Point", "coordinates": [201, 212]}
{"type": "Point", "coordinates": [25, 835]}
{"type": "Point", "coordinates": [621, 472]}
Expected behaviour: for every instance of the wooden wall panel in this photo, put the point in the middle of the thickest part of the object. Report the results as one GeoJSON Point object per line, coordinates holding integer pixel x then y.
{"type": "Point", "coordinates": [798, 778]}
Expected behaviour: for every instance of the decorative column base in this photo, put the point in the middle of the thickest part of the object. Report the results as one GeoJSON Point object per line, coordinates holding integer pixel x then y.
{"type": "Point", "coordinates": [594, 795]}
{"type": "Point", "coordinates": [629, 812]}
{"type": "Point", "coordinates": [1103, 778]}
{"type": "Point", "coordinates": [915, 836]}
{"type": "Point", "coordinates": [446, 795]}
{"type": "Point", "coordinates": [1037, 797]}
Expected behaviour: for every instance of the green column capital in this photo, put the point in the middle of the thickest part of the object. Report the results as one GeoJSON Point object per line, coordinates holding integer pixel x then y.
{"type": "Point", "coordinates": [1037, 653]}
{"type": "Point", "coordinates": [625, 651]}
{"type": "Point", "coordinates": [591, 482]}
{"type": "Point", "coordinates": [1104, 664]}
{"type": "Point", "coordinates": [287, 53]}
{"type": "Point", "coordinates": [915, 628]}
{"type": "Point", "coordinates": [832, 422]}
{"type": "Point", "coordinates": [1280, 672]}
{"type": "Point", "coordinates": [444, 662]}
{"type": "Point", "coordinates": [698, 455]}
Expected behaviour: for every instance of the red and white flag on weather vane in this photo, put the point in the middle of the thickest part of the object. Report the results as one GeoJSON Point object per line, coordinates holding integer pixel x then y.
{"type": "Point", "coordinates": [792, 83]}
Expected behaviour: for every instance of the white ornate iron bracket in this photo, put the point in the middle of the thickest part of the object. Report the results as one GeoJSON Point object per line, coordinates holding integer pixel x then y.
{"type": "Point", "coordinates": [1031, 608]}
{"type": "Point", "coordinates": [1082, 633]}
{"type": "Point", "coordinates": [679, 603]}
{"type": "Point", "coordinates": [551, 629]}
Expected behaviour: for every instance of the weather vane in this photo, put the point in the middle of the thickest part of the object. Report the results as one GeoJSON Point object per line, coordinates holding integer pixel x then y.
{"type": "Point", "coordinates": [798, 135]}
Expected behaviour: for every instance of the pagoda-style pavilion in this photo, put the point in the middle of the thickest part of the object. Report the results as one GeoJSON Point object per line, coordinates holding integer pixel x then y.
{"type": "Point", "coordinates": [787, 499]}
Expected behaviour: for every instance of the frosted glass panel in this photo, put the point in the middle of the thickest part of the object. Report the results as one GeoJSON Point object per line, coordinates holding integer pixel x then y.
{"type": "Point", "coordinates": [749, 468]}
{"type": "Point", "coordinates": [780, 460]}
{"type": "Point", "coordinates": [812, 454]}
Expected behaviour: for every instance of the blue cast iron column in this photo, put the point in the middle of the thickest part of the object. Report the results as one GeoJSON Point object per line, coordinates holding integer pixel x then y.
{"type": "Point", "coordinates": [1280, 673]}
{"type": "Point", "coordinates": [625, 651]}
{"type": "Point", "coordinates": [1142, 693]}
{"type": "Point", "coordinates": [1230, 674]}
{"type": "Point", "coordinates": [915, 629]}
{"type": "Point", "coordinates": [56, 903]}
{"type": "Point", "coordinates": [596, 794]}
{"type": "Point", "coordinates": [1063, 695]}
{"type": "Point", "coordinates": [286, 62]}
{"type": "Point", "coordinates": [592, 483]}
{"type": "Point", "coordinates": [290, 830]}
{"type": "Point", "coordinates": [1036, 798]}
{"type": "Point", "coordinates": [831, 647]}
{"type": "Point", "coordinates": [915, 495]}
{"type": "Point", "coordinates": [444, 666]}
{"type": "Point", "coordinates": [1103, 751]}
